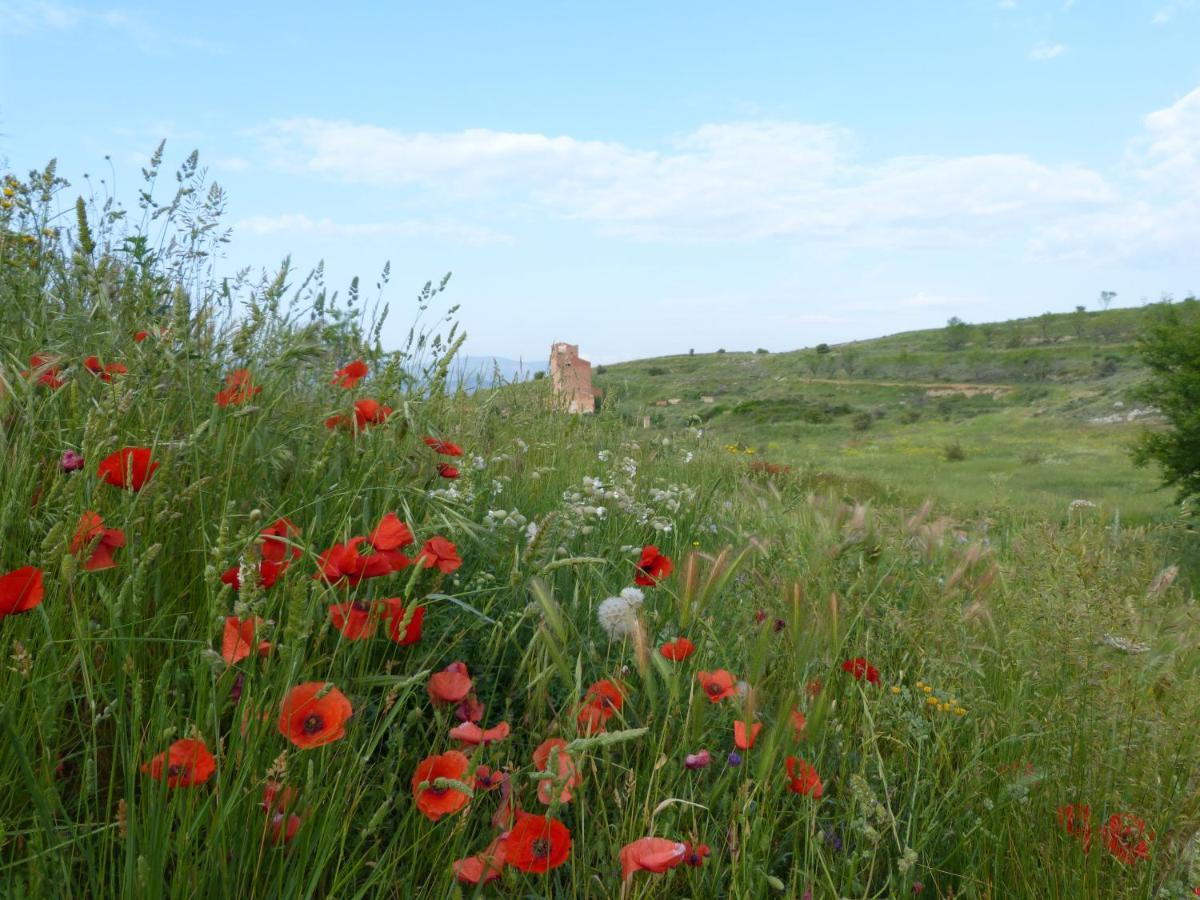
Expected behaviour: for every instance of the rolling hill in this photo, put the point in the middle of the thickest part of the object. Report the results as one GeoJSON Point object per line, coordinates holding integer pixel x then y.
{"type": "Point", "coordinates": [1032, 413]}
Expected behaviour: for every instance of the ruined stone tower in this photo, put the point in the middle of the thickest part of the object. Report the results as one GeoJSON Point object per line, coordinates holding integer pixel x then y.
{"type": "Point", "coordinates": [572, 379]}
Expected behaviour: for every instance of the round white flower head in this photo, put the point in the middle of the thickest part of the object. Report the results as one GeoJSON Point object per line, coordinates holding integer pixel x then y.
{"type": "Point", "coordinates": [618, 615]}
{"type": "Point", "coordinates": [633, 596]}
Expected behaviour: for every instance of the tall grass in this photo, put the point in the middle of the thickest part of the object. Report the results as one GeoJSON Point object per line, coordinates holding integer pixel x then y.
{"type": "Point", "coordinates": [1024, 665]}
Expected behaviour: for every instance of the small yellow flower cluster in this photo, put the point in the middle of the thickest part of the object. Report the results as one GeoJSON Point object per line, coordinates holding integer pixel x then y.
{"type": "Point", "coordinates": [9, 191]}
{"type": "Point", "coordinates": [737, 448]}
{"type": "Point", "coordinates": [934, 702]}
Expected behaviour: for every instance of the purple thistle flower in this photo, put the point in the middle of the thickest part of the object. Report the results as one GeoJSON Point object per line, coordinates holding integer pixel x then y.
{"type": "Point", "coordinates": [71, 461]}
{"type": "Point", "coordinates": [697, 760]}
{"type": "Point", "coordinates": [735, 758]}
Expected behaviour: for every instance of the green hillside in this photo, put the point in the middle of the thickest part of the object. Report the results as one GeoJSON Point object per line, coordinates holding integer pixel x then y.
{"type": "Point", "coordinates": [1032, 413]}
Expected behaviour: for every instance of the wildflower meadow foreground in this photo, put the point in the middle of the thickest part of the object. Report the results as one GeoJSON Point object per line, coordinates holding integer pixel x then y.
{"type": "Point", "coordinates": [285, 615]}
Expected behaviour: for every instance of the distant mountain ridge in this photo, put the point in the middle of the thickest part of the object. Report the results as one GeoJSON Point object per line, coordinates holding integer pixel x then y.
{"type": "Point", "coordinates": [476, 372]}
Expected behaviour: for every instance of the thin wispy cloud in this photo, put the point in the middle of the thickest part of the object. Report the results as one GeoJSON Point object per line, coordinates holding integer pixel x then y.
{"type": "Point", "coordinates": [742, 181]}
{"type": "Point", "coordinates": [1043, 52]}
{"type": "Point", "coordinates": [1169, 11]}
{"type": "Point", "coordinates": [27, 18]}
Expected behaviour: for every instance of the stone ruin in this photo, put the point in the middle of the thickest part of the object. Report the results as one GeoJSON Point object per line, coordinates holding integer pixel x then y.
{"type": "Point", "coordinates": [571, 378]}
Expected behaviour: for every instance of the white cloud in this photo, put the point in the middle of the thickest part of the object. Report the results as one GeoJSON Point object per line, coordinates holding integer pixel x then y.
{"type": "Point", "coordinates": [727, 182]}
{"type": "Point", "coordinates": [1170, 153]}
{"type": "Point", "coordinates": [1169, 10]}
{"type": "Point", "coordinates": [24, 18]}
{"type": "Point", "coordinates": [1158, 218]}
{"type": "Point", "coordinates": [1043, 52]}
{"type": "Point", "coordinates": [298, 223]}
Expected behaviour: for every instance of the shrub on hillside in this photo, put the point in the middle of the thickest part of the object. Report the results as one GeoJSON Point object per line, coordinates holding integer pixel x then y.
{"type": "Point", "coordinates": [954, 452]}
{"type": "Point", "coordinates": [1170, 349]}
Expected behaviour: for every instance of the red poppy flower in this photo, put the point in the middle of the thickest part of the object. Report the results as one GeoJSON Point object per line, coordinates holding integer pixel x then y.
{"type": "Point", "coordinates": [694, 856]}
{"type": "Point", "coordinates": [129, 468]}
{"type": "Point", "coordinates": [277, 797]}
{"type": "Point", "coordinates": [314, 714]}
{"type": "Point", "coordinates": [366, 413]}
{"type": "Point", "coordinates": [238, 389]}
{"type": "Point", "coordinates": [717, 685]}
{"type": "Point", "coordinates": [447, 471]}
{"type": "Point", "coordinates": [744, 738]}
{"type": "Point", "coordinates": [472, 734]}
{"type": "Point", "coordinates": [98, 542]}
{"type": "Point", "coordinates": [186, 763]}
{"type": "Point", "coordinates": [484, 867]}
{"type": "Point", "coordinates": [276, 800]}
{"type": "Point", "coordinates": [651, 854]}
{"type": "Point", "coordinates": [433, 801]}
{"type": "Point", "coordinates": [1076, 820]}
{"type": "Point", "coordinates": [443, 447]}
{"type": "Point", "coordinates": [139, 336]}
{"type": "Point", "coordinates": [550, 756]}
{"type": "Point", "coordinates": [105, 372]}
{"type": "Point", "coordinates": [1126, 838]}
{"type": "Point", "coordinates": [677, 650]}
{"type": "Point", "coordinates": [20, 591]}
{"type": "Point", "coordinates": [277, 540]}
{"type": "Point", "coordinates": [537, 843]}
{"type": "Point", "coordinates": [441, 553]}
{"type": "Point", "coordinates": [391, 534]}
{"type": "Point", "coordinates": [470, 710]}
{"type": "Point", "coordinates": [451, 685]}
{"type": "Point", "coordinates": [46, 370]}
{"type": "Point", "coordinates": [237, 640]}
{"type": "Point", "coordinates": [485, 779]}
{"type": "Point", "coordinates": [342, 563]}
{"type": "Point", "coordinates": [352, 619]}
{"type": "Point", "coordinates": [284, 827]}
{"type": "Point", "coordinates": [859, 667]}
{"type": "Point", "coordinates": [351, 374]}
{"type": "Point", "coordinates": [813, 688]}
{"type": "Point", "coordinates": [652, 568]}
{"type": "Point", "coordinates": [268, 574]}
{"type": "Point", "coordinates": [803, 778]}
{"type": "Point", "coordinates": [798, 723]}
{"type": "Point", "coordinates": [394, 614]}
{"type": "Point", "coordinates": [600, 703]}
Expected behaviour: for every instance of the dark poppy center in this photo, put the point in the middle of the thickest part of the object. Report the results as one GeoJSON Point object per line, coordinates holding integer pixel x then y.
{"type": "Point", "coordinates": [714, 689]}
{"type": "Point", "coordinates": [313, 724]}
{"type": "Point", "coordinates": [359, 606]}
{"type": "Point", "coordinates": [176, 769]}
{"type": "Point", "coordinates": [541, 848]}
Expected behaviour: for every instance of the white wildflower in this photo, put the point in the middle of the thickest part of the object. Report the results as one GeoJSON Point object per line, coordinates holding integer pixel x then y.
{"type": "Point", "coordinates": [633, 596]}
{"type": "Point", "coordinates": [618, 615]}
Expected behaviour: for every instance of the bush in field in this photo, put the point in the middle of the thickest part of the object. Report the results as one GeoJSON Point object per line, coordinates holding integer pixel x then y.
{"type": "Point", "coordinates": [1170, 349]}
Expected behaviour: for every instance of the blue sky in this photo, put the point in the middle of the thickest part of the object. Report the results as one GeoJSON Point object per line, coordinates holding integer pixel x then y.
{"type": "Point", "coordinates": [645, 178]}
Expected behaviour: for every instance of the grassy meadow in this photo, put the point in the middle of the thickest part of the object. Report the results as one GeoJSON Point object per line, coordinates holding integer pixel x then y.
{"type": "Point", "coordinates": [965, 687]}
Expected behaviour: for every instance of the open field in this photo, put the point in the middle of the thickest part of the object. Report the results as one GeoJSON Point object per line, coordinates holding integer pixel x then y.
{"type": "Point", "coordinates": [985, 696]}
{"type": "Point", "coordinates": [1039, 420]}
